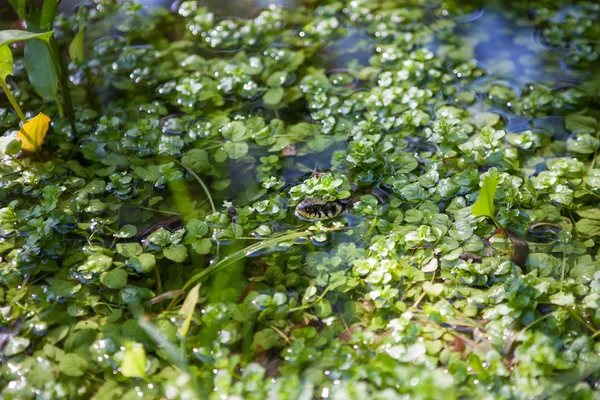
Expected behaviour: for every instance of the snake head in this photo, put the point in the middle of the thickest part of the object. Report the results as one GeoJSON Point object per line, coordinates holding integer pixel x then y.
{"type": "Point", "coordinates": [315, 209]}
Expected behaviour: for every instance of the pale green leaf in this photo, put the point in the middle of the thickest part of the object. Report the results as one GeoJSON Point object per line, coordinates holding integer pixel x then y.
{"type": "Point", "coordinates": [76, 48]}
{"type": "Point", "coordinates": [484, 206]}
{"type": "Point", "coordinates": [134, 362]}
{"type": "Point", "coordinates": [187, 310]}
{"type": "Point", "coordinates": [10, 36]}
{"type": "Point", "coordinates": [6, 62]}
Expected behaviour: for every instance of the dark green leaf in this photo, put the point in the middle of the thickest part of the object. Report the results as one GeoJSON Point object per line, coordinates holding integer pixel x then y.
{"type": "Point", "coordinates": [40, 69]}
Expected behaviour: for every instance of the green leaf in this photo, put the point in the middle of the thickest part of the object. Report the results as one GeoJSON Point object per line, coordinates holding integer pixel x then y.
{"type": "Point", "coordinates": [9, 145]}
{"type": "Point", "coordinates": [72, 365]}
{"type": "Point", "coordinates": [236, 150]}
{"type": "Point", "coordinates": [40, 69]}
{"type": "Point", "coordinates": [273, 96]}
{"type": "Point", "coordinates": [264, 340]}
{"type": "Point", "coordinates": [48, 13]}
{"type": "Point", "coordinates": [187, 310]}
{"type": "Point", "coordinates": [22, 8]}
{"type": "Point", "coordinates": [126, 231]}
{"type": "Point", "coordinates": [76, 48]}
{"type": "Point", "coordinates": [114, 279]}
{"type": "Point", "coordinates": [6, 62]}
{"type": "Point", "coordinates": [176, 253]}
{"type": "Point", "coordinates": [57, 334]}
{"type": "Point", "coordinates": [562, 299]}
{"type": "Point", "coordinates": [129, 249]}
{"type": "Point", "coordinates": [277, 79]}
{"type": "Point", "coordinates": [202, 246]}
{"type": "Point", "coordinates": [143, 264]}
{"type": "Point", "coordinates": [62, 288]}
{"type": "Point", "coordinates": [543, 263]}
{"type": "Point", "coordinates": [11, 36]}
{"type": "Point", "coordinates": [167, 349]}
{"type": "Point", "coordinates": [274, 275]}
{"type": "Point", "coordinates": [196, 160]}
{"type": "Point", "coordinates": [581, 123]}
{"type": "Point", "coordinates": [591, 213]}
{"type": "Point", "coordinates": [583, 144]}
{"type": "Point", "coordinates": [234, 131]}
{"type": "Point", "coordinates": [15, 345]}
{"type": "Point", "coordinates": [577, 374]}
{"type": "Point", "coordinates": [484, 206]}
{"type": "Point", "coordinates": [110, 390]}
{"type": "Point", "coordinates": [588, 227]}
{"type": "Point", "coordinates": [195, 228]}
{"type": "Point", "coordinates": [433, 289]}
{"type": "Point", "coordinates": [134, 362]}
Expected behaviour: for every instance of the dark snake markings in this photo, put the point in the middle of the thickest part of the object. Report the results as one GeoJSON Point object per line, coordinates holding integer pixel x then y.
{"type": "Point", "coordinates": [315, 209]}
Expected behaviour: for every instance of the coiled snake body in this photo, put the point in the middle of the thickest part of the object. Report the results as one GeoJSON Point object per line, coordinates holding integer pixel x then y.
{"type": "Point", "coordinates": [316, 209]}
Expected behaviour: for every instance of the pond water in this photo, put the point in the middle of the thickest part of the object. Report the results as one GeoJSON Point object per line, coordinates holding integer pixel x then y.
{"type": "Point", "coordinates": [304, 199]}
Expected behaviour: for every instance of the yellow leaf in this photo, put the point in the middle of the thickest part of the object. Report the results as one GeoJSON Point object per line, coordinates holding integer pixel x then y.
{"type": "Point", "coordinates": [33, 132]}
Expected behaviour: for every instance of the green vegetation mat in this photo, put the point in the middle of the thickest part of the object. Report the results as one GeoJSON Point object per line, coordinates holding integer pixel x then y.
{"type": "Point", "coordinates": [149, 244]}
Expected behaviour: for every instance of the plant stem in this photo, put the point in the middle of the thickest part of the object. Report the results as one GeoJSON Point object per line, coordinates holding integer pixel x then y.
{"type": "Point", "coordinates": [201, 182]}
{"type": "Point", "coordinates": [243, 253]}
{"type": "Point", "coordinates": [61, 72]}
{"type": "Point", "coordinates": [158, 282]}
{"type": "Point", "coordinates": [314, 303]}
{"type": "Point", "coordinates": [13, 101]}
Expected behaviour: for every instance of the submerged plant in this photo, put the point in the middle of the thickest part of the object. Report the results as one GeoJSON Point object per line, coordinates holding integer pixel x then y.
{"type": "Point", "coordinates": [151, 248]}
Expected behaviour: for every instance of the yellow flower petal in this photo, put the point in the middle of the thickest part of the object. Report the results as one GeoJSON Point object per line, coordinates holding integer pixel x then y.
{"type": "Point", "coordinates": [33, 132]}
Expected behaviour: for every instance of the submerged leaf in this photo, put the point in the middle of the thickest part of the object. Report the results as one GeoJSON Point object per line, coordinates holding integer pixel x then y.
{"type": "Point", "coordinates": [484, 206]}
{"type": "Point", "coordinates": [521, 249]}
{"type": "Point", "coordinates": [32, 133]}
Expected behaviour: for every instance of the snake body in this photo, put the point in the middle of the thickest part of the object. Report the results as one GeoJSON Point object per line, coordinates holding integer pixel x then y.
{"type": "Point", "coordinates": [316, 209]}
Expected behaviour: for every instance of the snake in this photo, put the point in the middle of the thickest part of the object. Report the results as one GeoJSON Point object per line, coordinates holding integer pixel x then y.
{"type": "Point", "coordinates": [317, 209]}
